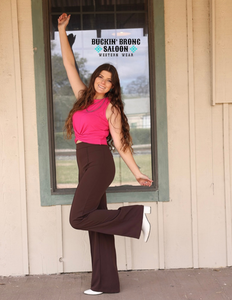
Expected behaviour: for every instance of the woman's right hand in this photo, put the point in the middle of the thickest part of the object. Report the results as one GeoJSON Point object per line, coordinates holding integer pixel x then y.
{"type": "Point", "coordinates": [144, 180]}
{"type": "Point", "coordinates": [63, 20]}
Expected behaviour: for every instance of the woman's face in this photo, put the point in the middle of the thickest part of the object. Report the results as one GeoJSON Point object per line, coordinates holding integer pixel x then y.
{"type": "Point", "coordinates": [102, 84]}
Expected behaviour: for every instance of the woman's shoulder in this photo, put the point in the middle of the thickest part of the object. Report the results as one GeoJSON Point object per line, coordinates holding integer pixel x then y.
{"type": "Point", "coordinates": [107, 99]}
{"type": "Point", "coordinates": [112, 111]}
{"type": "Point", "coordinates": [107, 103]}
{"type": "Point", "coordinates": [108, 108]}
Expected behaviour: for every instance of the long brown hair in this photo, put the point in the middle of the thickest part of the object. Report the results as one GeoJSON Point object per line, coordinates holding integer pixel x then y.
{"type": "Point", "coordinates": [86, 99]}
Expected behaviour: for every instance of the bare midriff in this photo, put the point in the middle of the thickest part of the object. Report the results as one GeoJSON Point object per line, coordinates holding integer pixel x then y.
{"type": "Point", "coordinates": [78, 142]}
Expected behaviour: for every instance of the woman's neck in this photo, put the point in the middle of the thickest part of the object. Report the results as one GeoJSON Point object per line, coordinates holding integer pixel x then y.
{"type": "Point", "coordinates": [99, 96]}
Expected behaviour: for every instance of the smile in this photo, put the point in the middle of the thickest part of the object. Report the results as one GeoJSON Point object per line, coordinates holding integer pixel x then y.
{"type": "Point", "coordinates": [101, 87]}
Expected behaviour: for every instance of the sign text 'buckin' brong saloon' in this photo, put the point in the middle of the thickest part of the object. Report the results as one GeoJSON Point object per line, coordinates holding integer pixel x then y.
{"type": "Point", "coordinates": [116, 47]}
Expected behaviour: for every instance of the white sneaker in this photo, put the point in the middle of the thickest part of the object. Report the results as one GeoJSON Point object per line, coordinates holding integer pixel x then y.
{"type": "Point", "coordinates": [91, 292]}
{"type": "Point", "coordinates": [146, 227]}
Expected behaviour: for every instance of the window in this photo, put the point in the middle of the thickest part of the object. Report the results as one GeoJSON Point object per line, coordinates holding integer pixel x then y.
{"type": "Point", "coordinates": [101, 31]}
{"type": "Point", "coordinates": [155, 120]}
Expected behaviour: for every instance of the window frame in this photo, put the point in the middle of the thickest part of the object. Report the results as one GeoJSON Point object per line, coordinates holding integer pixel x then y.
{"type": "Point", "coordinates": [49, 196]}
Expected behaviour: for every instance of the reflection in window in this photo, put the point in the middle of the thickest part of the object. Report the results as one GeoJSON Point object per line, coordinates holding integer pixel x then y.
{"type": "Point", "coordinates": [105, 31]}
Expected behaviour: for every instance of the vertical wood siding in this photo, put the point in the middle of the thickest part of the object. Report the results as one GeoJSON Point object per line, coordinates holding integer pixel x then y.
{"type": "Point", "coordinates": [194, 228]}
{"type": "Point", "coordinates": [13, 220]}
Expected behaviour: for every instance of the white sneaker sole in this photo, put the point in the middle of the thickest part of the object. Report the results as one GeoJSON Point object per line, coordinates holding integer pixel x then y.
{"type": "Point", "coordinates": [91, 292]}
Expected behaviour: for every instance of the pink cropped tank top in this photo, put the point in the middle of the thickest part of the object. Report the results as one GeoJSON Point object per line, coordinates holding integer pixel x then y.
{"type": "Point", "coordinates": [91, 125]}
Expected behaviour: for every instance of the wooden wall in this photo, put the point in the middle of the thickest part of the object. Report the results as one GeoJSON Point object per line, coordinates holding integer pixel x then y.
{"type": "Point", "coordinates": [194, 228]}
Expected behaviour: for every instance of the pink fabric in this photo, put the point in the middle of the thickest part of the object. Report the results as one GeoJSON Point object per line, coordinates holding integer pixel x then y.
{"type": "Point", "coordinates": [90, 125]}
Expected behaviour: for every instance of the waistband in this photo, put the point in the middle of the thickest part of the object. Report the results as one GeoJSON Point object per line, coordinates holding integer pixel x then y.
{"type": "Point", "coordinates": [83, 145]}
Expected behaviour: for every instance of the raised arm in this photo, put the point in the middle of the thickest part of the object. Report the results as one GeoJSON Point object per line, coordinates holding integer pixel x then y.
{"type": "Point", "coordinates": [115, 126]}
{"type": "Point", "coordinates": [68, 57]}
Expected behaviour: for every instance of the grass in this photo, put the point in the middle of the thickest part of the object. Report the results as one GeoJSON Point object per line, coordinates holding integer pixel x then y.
{"type": "Point", "coordinates": [67, 171]}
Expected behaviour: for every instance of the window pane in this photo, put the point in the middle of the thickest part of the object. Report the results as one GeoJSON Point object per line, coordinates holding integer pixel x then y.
{"type": "Point", "coordinates": [131, 20]}
{"type": "Point", "coordinates": [128, 5]}
{"type": "Point", "coordinates": [97, 42]}
{"type": "Point", "coordinates": [65, 6]}
{"type": "Point", "coordinates": [99, 21]}
{"type": "Point", "coordinates": [97, 5]}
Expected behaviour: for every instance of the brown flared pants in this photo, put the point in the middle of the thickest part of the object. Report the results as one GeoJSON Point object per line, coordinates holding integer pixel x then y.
{"type": "Point", "coordinates": [89, 212]}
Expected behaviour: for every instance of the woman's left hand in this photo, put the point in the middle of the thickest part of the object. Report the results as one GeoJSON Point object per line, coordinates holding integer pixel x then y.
{"type": "Point", "coordinates": [144, 180]}
{"type": "Point", "coordinates": [63, 20]}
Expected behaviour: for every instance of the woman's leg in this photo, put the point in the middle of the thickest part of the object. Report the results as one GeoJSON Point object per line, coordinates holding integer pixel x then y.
{"type": "Point", "coordinates": [89, 212]}
{"type": "Point", "coordinates": [97, 172]}
{"type": "Point", "coordinates": [104, 263]}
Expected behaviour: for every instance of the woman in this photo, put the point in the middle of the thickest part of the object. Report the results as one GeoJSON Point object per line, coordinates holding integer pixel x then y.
{"type": "Point", "coordinates": [98, 121]}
